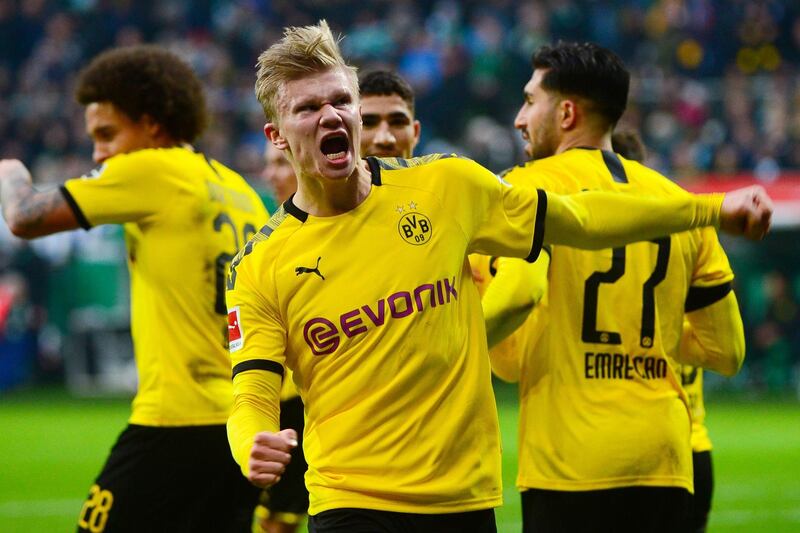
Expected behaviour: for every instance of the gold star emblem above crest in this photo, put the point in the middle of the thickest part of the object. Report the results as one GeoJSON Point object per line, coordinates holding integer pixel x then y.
{"type": "Point", "coordinates": [412, 206]}
{"type": "Point", "coordinates": [400, 208]}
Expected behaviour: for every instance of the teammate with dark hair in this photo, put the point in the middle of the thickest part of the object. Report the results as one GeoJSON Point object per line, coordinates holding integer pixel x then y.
{"type": "Point", "coordinates": [389, 128]}
{"type": "Point", "coordinates": [185, 216]}
{"type": "Point", "coordinates": [604, 422]}
{"type": "Point", "coordinates": [360, 285]}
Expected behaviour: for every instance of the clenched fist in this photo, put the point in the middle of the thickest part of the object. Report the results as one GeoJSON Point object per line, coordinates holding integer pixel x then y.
{"type": "Point", "coordinates": [269, 456]}
{"type": "Point", "coordinates": [746, 211]}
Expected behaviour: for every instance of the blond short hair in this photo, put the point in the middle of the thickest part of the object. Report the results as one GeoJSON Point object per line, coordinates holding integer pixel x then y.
{"type": "Point", "coordinates": [303, 50]}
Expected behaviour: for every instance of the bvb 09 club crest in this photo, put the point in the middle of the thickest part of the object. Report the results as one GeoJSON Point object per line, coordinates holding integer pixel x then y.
{"type": "Point", "coordinates": [415, 228]}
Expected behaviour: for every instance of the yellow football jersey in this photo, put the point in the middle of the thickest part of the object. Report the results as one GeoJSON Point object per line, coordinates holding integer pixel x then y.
{"type": "Point", "coordinates": [375, 312]}
{"type": "Point", "coordinates": [692, 379]}
{"type": "Point", "coordinates": [185, 218]}
{"type": "Point", "coordinates": [601, 402]}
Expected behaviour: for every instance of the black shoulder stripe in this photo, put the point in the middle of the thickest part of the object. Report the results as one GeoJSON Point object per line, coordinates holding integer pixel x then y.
{"type": "Point", "coordinates": [375, 170]}
{"type": "Point", "coordinates": [258, 364]}
{"type": "Point", "coordinates": [538, 228]}
{"type": "Point", "coordinates": [700, 297]}
{"type": "Point", "coordinates": [399, 163]}
{"type": "Point", "coordinates": [614, 166]}
{"type": "Point", "coordinates": [76, 210]}
{"type": "Point", "coordinates": [266, 230]}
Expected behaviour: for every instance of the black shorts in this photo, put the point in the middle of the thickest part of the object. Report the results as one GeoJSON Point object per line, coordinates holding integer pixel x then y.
{"type": "Point", "coordinates": [370, 521]}
{"type": "Point", "coordinates": [289, 496]}
{"type": "Point", "coordinates": [624, 510]}
{"type": "Point", "coordinates": [170, 479]}
{"type": "Point", "coordinates": [703, 490]}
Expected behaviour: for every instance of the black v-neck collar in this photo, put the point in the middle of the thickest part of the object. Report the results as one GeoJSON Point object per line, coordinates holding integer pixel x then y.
{"type": "Point", "coordinates": [302, 216]}
{"type": "Point", "coordinates": [295, 211]}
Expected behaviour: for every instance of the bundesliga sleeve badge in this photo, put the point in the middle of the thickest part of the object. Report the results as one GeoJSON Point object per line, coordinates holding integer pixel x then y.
{"type": "Point", "coordinates": [235, 335]}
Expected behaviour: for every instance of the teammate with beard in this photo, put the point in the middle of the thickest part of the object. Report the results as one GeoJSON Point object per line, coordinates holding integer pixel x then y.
{"type": "Point", "coordinates": [604, 422]}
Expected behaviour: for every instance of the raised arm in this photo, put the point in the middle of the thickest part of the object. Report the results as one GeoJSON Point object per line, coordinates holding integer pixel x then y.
{"type": "Point", "coordinates": [30, 213]}
{"type": "Point", "coordinates": [596, 220]}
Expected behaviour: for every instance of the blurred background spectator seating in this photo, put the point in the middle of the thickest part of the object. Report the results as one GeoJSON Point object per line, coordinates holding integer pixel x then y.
{"type": "Point", "coordinates": [715, 94]}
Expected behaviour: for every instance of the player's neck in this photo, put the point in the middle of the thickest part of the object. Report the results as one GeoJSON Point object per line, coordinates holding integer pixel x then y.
{"type": "Point", "coordinates": [585, 139]}
{"type": "Point", "coordinates": [322, 198]}
{"type": "Point", "coordinates": [163, 140]}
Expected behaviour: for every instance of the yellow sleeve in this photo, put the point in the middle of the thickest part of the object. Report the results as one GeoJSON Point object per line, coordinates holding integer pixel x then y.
{"type": "Point", "coordinates": [596, 220]}
{"type": "Point", "coordinates": [497, 219]}
{"type": "Point", "coordinates": [256, 332]}
{"type": "Point", "coordinates": [515, 290]}
{"type": "Point", "coordinates": [713, 330]}
{"type": "Point", "coordinates": [257, 343]}
{"type": "Point", "coordinates": [712, 267]}
{"type": "Point", "coordinates": [713, 337]}
{"type": "Point", "coordinates": [256, 408]}
{"type": "Point", "coordinates": [126, 188]}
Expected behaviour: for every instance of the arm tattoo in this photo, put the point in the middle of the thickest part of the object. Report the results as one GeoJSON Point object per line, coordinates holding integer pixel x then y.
{"type": "Point", "coordinates": [24, 207]}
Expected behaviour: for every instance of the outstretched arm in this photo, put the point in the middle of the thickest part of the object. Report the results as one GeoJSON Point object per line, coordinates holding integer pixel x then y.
{"type": "Point", "coordinates": [30, 213]}
{"type": "Point", "coordinates": [596, 220]}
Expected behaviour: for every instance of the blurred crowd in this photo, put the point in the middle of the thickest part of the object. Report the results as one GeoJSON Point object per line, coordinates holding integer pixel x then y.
{"type": "Point", "coordinates": [716, 89]}
{"type": "Point", "coordinates": [716, 83]}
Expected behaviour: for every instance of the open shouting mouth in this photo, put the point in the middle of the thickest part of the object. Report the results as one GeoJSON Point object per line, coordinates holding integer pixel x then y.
{"type": "Point", "coordinates": [335, 147]}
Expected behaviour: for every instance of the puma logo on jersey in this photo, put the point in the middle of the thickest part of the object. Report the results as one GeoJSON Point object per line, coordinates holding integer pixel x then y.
{"type": "Point", "coordinates": [309, 270]}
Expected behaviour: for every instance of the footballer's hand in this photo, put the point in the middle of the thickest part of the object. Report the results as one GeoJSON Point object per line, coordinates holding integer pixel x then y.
{"type": "Point", "coordinates": [746, 211]}
{"type": "Point", "coordinates": [269, 456]}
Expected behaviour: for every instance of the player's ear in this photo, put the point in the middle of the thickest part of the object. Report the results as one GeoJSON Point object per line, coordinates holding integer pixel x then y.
{"type": "Point", "coordinates": [153, 128]}
{"type": "Point", "coordinates": [417, 131]}
{"type": "Point", "coordinates": [568, 114]}
{"type": "Point", "coordinates": [272, 133]}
